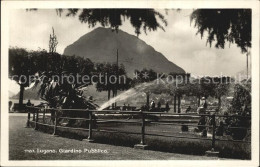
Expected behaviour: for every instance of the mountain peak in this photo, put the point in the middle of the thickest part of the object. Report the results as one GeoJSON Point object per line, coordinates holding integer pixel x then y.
{"type": "Point", "coordinates": [101, 44]}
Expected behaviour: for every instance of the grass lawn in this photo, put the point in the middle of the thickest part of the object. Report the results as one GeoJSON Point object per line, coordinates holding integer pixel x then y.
{"type": "Point", "coordinates": [23, 140]}
{"type": "Point", "coordinates": [119, 141]}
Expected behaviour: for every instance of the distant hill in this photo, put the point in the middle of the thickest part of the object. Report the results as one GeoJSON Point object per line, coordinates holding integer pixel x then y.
{"type": "Point", "coordinates": [10, 94]}
{"type": "Point", "coordinates": [100, 45]}
{"type": "Point", "coordinates": [31, 93]}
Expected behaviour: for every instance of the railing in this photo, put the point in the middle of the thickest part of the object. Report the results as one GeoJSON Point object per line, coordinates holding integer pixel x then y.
{"type": "Point", "coordinates": [142, 115]}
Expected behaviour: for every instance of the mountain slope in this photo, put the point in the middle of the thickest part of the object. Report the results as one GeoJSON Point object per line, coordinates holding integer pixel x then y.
{"type": "Point", "coordinates": [30, 93]}
{"type": "Point", "coordinates": [100, 45]}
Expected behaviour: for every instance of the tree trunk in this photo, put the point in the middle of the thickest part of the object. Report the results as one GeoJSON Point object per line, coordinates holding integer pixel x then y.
{"type": "Point", "coordinates": [179, 104]}
{"type": "Point", "coordinates": [21, 97]}
{"type": "Point", "coordinates": [174, 104]}
{"type": "Point", "coordinates": [219, 103]}
{"type": "Point", "coordinates": [108, 94]}
{"type": "Point", "coordinates": [198, 101]}
{"type": "Point", "coordinates": [147, 100]}
{"type": "Point", "coordinates": [115, 96]}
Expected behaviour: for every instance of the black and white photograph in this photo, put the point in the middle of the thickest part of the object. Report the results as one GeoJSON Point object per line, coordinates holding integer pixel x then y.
{"type": "Point", "coordinates": [83, 82]}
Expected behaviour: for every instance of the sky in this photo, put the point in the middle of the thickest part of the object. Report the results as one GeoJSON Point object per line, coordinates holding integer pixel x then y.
{"type": "Point", "coordinates": [178, 43]}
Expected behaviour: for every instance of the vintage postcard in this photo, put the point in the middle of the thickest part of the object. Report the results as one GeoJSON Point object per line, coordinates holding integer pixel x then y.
{"type": "Point", "coordinates": [123, 83]}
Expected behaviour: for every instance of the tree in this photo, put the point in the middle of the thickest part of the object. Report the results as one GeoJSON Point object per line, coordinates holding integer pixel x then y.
{"type": "Point", "coordinates": [242, 97]}
{"type": "Point", "coordinates": [53, 72]}
{"type": "Point", "coordinates": [111, 78]}
{"type": "Point", "coordinates": [207, 86]}
{"type": "Point", "coordinates": [62, 82]}
{"type": "Point", "coordinates": [142, 76]}
{"type": "Point", "coordinates": [53, 42]}
{"type": "Point", "coordinates": [104, 70]}
{"type": "Point", "coordinates": [148, 19]}
{"type": "Point", "coordinates": [195, 90]}
{"type": "Point", "coordinates": [21, 67]}
{"type": "Point", "coordinates": [224, 25]}
{"type": "Point", "coordinates": [123, 81]}
{"type": "Point", "coordinates": [222, 88]}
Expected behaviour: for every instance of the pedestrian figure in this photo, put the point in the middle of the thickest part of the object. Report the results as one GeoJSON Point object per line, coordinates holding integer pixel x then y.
{"type": "Point", "coordinates": [29, 103]}
{"type": "Point", "coordinates": [202, 123]}
{"type": "Point", "coordinates": [220, 129]}
{"type": "Point", "coordinates": [10, 105]}
{"type": "Point", "coordinates": [167, 107]}
{"type": "Point", "coordinates": [91, 99]}
{"type": "Point", "coordinates": [204, 104]}
{"type": "Point", "coordinates": [153, 105]}
{"type": "Point", "coordinates": [188, 109]}
{"type": "Point", "coordinates": [159, 105]}
{"type": "Point", "coordinates": [124, 107]}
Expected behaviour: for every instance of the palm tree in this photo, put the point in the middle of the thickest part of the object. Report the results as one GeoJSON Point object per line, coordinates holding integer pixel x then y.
{"type": "Point", "coordinates": [58, 84]}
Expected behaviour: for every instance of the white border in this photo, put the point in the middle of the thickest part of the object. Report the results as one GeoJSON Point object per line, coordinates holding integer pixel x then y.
{"type": "Point", "coordinates": [7, 5]}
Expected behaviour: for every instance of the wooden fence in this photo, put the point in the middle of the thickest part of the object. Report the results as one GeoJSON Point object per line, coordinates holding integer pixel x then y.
{"type": "Point", "coordinates": [142, 115]}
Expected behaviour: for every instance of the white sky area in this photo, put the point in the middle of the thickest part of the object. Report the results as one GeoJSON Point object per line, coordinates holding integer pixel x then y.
{"type": "Point", "coordinates": [179, 43]}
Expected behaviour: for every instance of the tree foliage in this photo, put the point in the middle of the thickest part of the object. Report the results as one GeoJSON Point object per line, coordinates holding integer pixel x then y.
{"type": "Point", "coordinates": [221, 25]}
{"type": "Point", "coordinates": [224, 25]}
{"type": "Point", "coordinates": [21, 64]}
{"type": "Point", "coordinates": [53, 42]}
{"type": "Point", "coordinates": [61, 78]}
{"type": "Point", "coordinates": [242, 97]}
{"type": "Point", "coordinates": [144, 75]}
{"type": "Point", "coordinates": [62, 86]}
{"type": "Point", "coordinates": [21, 67]}
{"type": "Point", "coordinates": [111, 78]}
{"type": "Point", "coordinates": [147, 19]}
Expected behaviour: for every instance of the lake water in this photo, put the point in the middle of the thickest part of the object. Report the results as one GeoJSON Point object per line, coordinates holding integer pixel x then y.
{"type": "Point", "coordinates": [35, 102]}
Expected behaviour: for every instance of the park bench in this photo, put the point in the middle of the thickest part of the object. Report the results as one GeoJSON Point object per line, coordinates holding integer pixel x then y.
{"type": "Point", "coordinates": [17, 108]}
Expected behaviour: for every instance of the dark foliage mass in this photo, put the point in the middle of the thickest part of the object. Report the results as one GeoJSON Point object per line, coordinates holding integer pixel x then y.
{"type": "Point", "coordinates": [57, 75]}
{"type": "Point", "coordinates": [112, 78]}
{"type": "Point", "coordinates": [21, 63]}
{"type": "Point", "coordinates": [242, 98]}
{"type": "Point", "coordinates": [224, 25]}
{"type": "Point", "coordinates": [147, 19]}
{"type": "Point", "coordinates": [61, 84]}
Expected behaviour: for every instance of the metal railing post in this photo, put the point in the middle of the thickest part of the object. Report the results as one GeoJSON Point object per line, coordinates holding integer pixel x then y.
{"type": "Point", "coordinates": [43, 117]}
{"type": "Point", "coordinates": [90, 127]}
{"type": "Point", "coordinates": [142, 143]}
{"type": "Point", "coordinates": [143, 129]}
{"type": "Point", "coordinates": [37, 119]}
{"type": "Point", "coordinates": [213, 132]}
{"type": "Point", "coordinates": [28, 118]}
{"type": "Point", "coordinates": [213, 152]}
{"type": "Point", "coordinates": [90, 119]}
{"type": "Point", "coordinates": [33, 114]}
